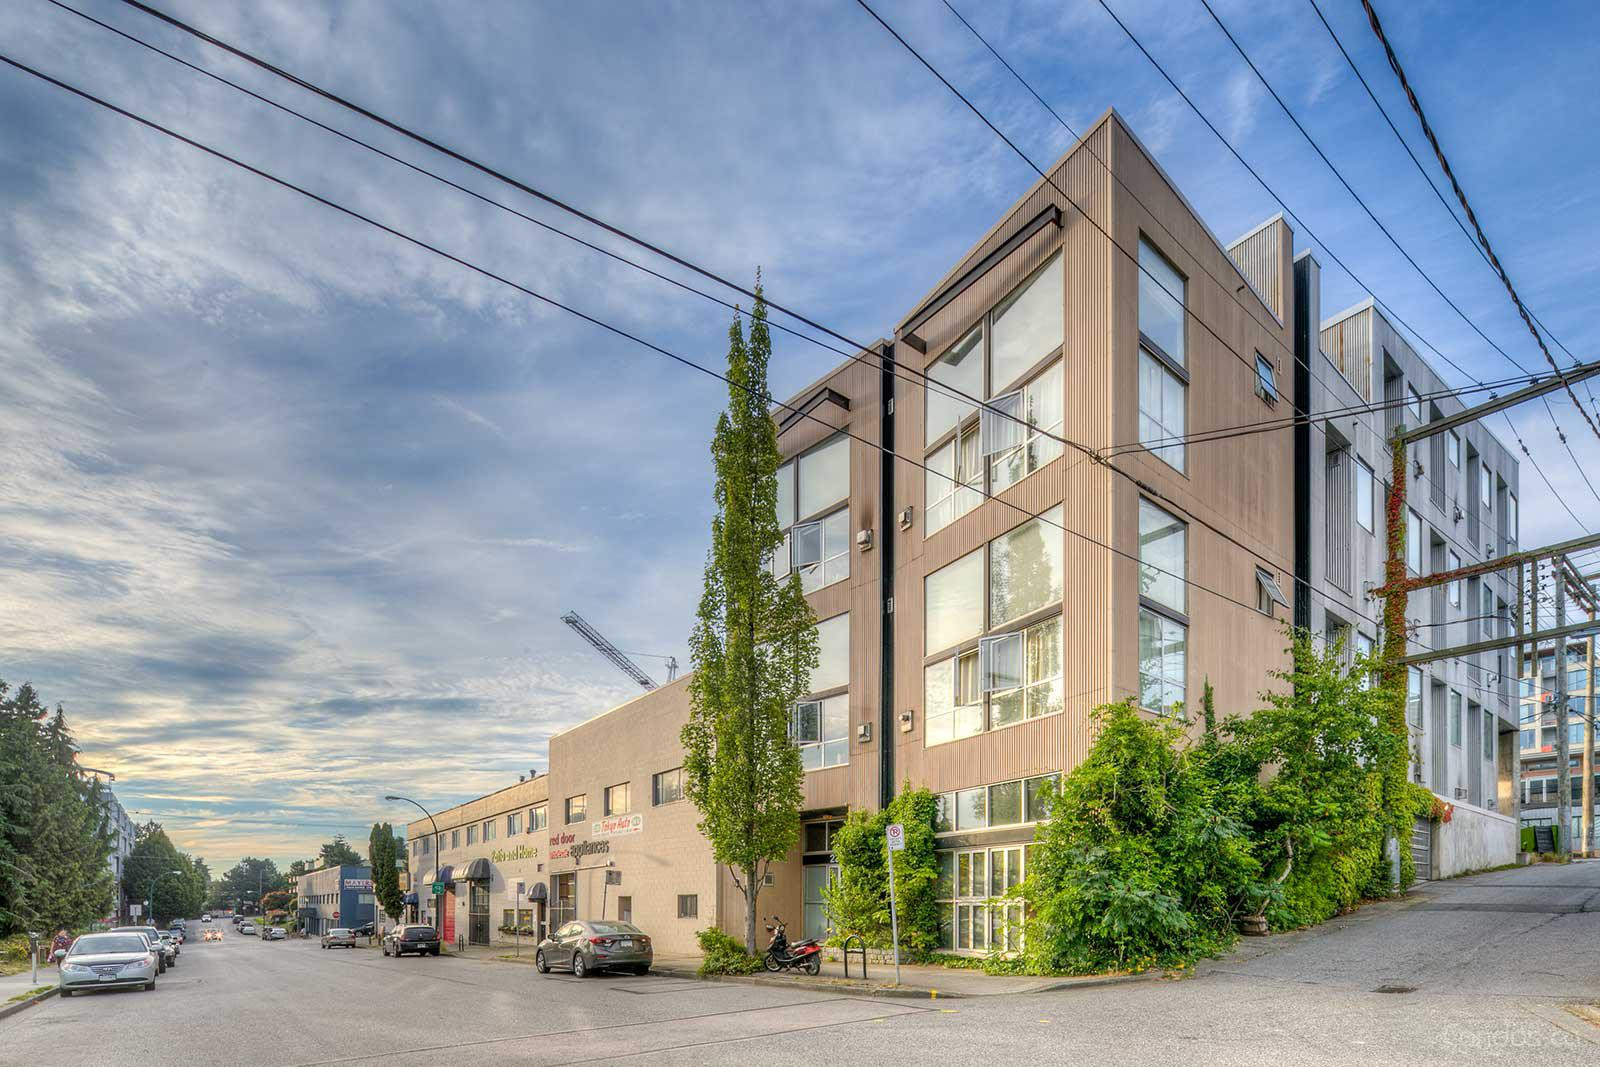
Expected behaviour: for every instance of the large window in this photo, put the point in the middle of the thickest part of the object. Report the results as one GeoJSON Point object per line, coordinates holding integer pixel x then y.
{"type": "Point", "coordinates": [564, 901]}
{"type": "Point", "coordinates": [821, 723]}
{"type": "Point", "coordinates": [1018, 429]}
{"type": "Point", "coordinates": [1455, 719]}
{"type": "Point", "coordinates": [998, 661]}
{"type": "Point", "coordinates": [822, 730]}
{"type": "Point", "coordinates": [1163, 556]}
{"type": "Point", "coordinates": [1414, 696]}
{"type": "Point", "coordinates": [1163, 662]}
{"type": "Point", "coordinates": [666, 787]}
{"type": "Point", "coordinates": [1014, 803]}
{"type": "Point", "coordinates": [1163, 356]}
{"type": "Point", "coordinates": [1364, 485]}
{"type": "Point", "coordinates": [814, 511]}
{"type": "Point", "coordinates": [975, 913]}
{"type": "Point", "coordinates": [577, 808]}
{"type": "Point", "coordinates": [616, 799]}
{"type": "Point", "coordinates": [538, 817]}
{"type": "Point", "coordinates": [1453, 589]}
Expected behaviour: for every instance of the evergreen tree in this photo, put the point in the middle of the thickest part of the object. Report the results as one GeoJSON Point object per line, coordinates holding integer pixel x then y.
{"type": "Point", "coordinates": [337, 853]}
{"type": "Point", "coordinates": [381, 846]}
{"type": "Point", "coordinates": [754, 643]}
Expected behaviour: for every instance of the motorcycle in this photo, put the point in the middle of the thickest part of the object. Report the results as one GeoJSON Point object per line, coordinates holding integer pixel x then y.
{"type": "Point", "coordinates": [801, 955]}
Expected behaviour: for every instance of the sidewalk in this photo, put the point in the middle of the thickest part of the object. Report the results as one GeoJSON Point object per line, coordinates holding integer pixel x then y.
{"type": "Point", "coordinates": [918, 981]}
{"type": "Point", "coordinates": [13, 984]}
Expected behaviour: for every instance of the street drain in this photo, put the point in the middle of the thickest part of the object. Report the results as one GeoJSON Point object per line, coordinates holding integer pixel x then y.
{"type": "Point", "coordinates": [1396, 989]}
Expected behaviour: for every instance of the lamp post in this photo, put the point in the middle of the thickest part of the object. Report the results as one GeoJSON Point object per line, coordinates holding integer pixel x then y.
{"type": "Point", "coordinates": [440, 904]}
{"type": "Point", "coordinates": [150, 901]}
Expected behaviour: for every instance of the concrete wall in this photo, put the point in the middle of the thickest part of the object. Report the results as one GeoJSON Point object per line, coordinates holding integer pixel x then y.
{"type": "Point", "coordinates": [1473, 839]}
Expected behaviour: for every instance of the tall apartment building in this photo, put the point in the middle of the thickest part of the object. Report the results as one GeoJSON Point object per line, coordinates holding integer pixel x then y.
{"type": "Point", "coordinates": [1462, 509]}
{"type": "Point", "coordinates": [985, 576]}
{"type": "Point", "coordinates": [1540, 787]}
{"type": "Point", "coordinates": [119, 825]}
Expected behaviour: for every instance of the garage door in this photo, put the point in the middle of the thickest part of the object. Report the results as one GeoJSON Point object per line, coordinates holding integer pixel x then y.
{"type": "Point", "coordinates": [1422, 848]}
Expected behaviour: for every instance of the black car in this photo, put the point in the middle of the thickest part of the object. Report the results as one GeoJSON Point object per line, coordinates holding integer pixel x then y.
{"type": "Point", "coordinates": [362, 931]}
{"type": "Point", "coordinates": [419, 939]}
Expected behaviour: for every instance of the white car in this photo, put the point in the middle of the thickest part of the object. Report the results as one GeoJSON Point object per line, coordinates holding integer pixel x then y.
{"type": "Point", "coordinates": [107, 961]}
{"type": "Point", "coordinates": [248, 929]}
{"type": "Point", "coordinates": [206, 917]}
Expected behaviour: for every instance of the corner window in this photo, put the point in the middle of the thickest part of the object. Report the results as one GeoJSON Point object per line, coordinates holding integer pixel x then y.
{"type": "Point", "coordinates": [666, 787]}
{"type": "Point", "coordinates": [1163, 557]}
{"type": "Point", "coordinates": [1163, 654]}
{"type": "Point", "coordinates": [821, 728]}
{"type": "Point", "coordinates": [1017, 430]}
{"type": "Point", "coordinates": [1010, 673]}
{"type": "Point", "coordinates": [577, 808]}
{"type": "Point", "coordinates": [1266, 379]}
{"type": "Point", "coordinates": [1363, 490]}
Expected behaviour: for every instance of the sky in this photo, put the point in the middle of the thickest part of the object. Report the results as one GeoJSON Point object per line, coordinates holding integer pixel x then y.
{"type": "Point", "coordinates": [290, 510]}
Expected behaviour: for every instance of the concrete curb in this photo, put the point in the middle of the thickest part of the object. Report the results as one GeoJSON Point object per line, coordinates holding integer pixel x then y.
{"type": "Point", "coordinates": [12, 1009]}
{"type": "Point", "coordinates": [910, 992]}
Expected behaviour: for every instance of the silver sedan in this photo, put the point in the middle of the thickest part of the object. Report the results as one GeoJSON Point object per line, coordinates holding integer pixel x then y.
{"type": "Point", "coordinates": [593, 945]}
{"type": "Point", "coordinates": [108, 961]}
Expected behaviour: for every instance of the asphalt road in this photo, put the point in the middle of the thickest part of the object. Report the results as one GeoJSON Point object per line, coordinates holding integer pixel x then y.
{"type": "Point", "coordinates": [1474, 970]}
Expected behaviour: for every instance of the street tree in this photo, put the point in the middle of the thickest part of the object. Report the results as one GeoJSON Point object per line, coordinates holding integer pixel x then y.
{"type": "Point", "coordinates": [754, 643]}
{"type": "Point", "coordinates": [384, 851]}
{"type": "Point", "coordinates": [148, 876]}
{"type": "Point", "coordinates": [248, 880]}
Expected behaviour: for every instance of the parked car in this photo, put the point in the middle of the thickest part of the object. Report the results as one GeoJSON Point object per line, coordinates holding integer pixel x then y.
{"type": "Point", "coordinates": [594, 945]}
{"type": "Point", "coordinates": [178, 934]}
{"type": "Point", "coordinates": [339, 937]}
{"type": "Point", "coordinates": [411, 938]}
{"type": "Point", "coordinates": [167, 952]}
{"type": "Point", "coordinates": [275, 933]}
{"type": "Point", "coordinates": [363, 931]}
{"type": "Point", "coordinates": [247, 928]}
{"type": "Point", "coordinates": [107, 961]}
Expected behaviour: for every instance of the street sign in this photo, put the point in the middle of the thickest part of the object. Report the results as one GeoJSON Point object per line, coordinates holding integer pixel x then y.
{"type": "Point", "coordinates": [135, 910]}
{"type": "Point", "coordinates": [896, 835]}
{"type": "Point", "coordinates": [438, 889]}
{"type": "Point", "coordinates": [613, 878]}
{"type": "Point", "coordinates": [335, 915]}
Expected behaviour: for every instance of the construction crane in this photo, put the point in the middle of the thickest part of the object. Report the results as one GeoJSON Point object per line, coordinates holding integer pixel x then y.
{"type": "Point", "coordinates": [618, 658]}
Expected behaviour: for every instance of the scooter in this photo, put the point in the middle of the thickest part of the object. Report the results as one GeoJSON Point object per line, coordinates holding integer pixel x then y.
{"type": "Point", "coordinates": [801, 955]}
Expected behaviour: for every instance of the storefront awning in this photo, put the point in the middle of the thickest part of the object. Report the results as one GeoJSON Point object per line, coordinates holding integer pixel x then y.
{"type": "Point", "coordinates": [476, 871]}
{"type": "Point", "coordinates": [537, 892]}
{"type": "Point", "coordinates": [440, 875]}
{"type": "Point", "coordinates": [409, 898]}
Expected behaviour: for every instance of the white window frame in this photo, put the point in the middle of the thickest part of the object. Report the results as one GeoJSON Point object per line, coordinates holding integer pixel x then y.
{"type": "Point", "coordinates": [1365, 486]}
{"type": "Point", "coordinates": [1413, 541]}
{"type": "Point", "coordinates": [1453, 588]}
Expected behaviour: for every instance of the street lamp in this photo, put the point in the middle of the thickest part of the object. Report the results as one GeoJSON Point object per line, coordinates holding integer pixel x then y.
{"type": "Point", "coordinates": [150, 901]}
{"type": "Point", "coordinates": [436, 854]}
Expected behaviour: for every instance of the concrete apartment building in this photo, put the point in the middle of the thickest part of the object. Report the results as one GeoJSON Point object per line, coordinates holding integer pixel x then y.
{"type": "Point", "coordinates": [981, 594]}
{"type": "Point", "coordinates": [1540, 787]}
{"type": "Point", "coordinates": [120, 826]}
{"type": "Point", "coordinates": [488, 856]}
{"type": "Point", "coordinates": [1462, 497]}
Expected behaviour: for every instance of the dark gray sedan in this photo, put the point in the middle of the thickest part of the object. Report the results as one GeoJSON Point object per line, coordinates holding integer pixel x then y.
{"type": "Point", "coordinates": [592, 945]}
{"type": "Point", "coordinates": [339, 937]}
{"type": "Point", "coordinates": [107, 961]}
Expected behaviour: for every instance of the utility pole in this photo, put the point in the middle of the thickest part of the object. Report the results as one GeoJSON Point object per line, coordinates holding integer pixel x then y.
{"type": "Point", "coordinates": [1398, 585]}
{"type": "Point", "coordinates": [1563, 744]}
{"type": "Point", "coordinates": [1588, 754]}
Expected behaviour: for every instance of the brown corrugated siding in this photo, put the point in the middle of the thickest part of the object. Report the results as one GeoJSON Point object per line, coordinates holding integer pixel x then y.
{"type": "Point", "coordinates": [1260, 257]}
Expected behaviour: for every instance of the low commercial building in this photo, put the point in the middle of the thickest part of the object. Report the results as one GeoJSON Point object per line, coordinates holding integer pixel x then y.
{"type": "Point", "coordinates": [479, 867]}
{"type": "Point", "coordinates": [336, 896]}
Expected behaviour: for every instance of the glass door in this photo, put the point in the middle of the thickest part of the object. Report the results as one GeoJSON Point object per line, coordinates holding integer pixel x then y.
{"type": "Point", "coordinates": [478, 913]}
{"type": "Point", "coordinates": [816, 877]}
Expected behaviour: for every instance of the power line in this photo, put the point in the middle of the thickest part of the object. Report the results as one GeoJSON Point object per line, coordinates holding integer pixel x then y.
{"type": "Point", "coordinates": [618, 331]}
{"type": "Point", "coordinates": [1483, 239]}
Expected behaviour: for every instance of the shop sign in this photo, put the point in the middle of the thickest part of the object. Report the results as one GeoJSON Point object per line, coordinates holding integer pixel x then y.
{"type": "Point", "coordinates": [619, 824]}
{"type": "Point", "coordinates": [565, 846]}
{"type": "Point", "coordinates": [358, 883]}
{"type": "Point", "coordinates": [521, 852]}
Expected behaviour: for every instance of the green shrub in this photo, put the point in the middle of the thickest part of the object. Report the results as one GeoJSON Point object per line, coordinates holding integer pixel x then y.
{"type": "Point", "coordinates": [724, 954]}
{"type": "Point", "coordinates": [857, 902]}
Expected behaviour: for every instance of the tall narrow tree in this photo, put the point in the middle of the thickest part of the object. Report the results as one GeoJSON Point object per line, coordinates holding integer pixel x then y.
{"type": "Point", "coordinates": [381, 846]}
{"type": "Point", "coordinates": [754, 644]}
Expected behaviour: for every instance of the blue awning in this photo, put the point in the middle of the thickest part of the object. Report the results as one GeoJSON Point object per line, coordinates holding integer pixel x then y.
{"type": "Point", "coordinates": [444, 874]}
{"type": "Point", "coordinates": [409, 898]}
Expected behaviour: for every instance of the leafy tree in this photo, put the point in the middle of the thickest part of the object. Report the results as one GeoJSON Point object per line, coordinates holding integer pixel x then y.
{"type": "Point", "coordinates": [277, 900]}
{"type": "Point", "coordinates": [54, 840]}
{"type": "Point", "coordinates": [754, 643]}
{"type": "Point", "coordinates": [249, 879]}
{"type": "Point", "coordinates": [148, 876]}
{"type": "Point", "coordinates": [858, 901]}
{"type": "Point", "coordinates": [384, 850]}
{"type": "Point", "coordinates": [299, 867]}
{"type": "Point", "coordinates": [338, 853]}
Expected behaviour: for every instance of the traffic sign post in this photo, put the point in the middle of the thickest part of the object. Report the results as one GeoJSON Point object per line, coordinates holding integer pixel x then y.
{"type": "Point", "coordinates": [895, 837]}
{"type": "Point", "coordinates": [438, 889]}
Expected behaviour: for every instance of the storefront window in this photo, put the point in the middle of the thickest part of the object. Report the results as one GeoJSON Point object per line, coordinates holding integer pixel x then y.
{"type": "Point", "coordinates": [975, 915]}
{"type": "Point", "coordinates": [564, 902]}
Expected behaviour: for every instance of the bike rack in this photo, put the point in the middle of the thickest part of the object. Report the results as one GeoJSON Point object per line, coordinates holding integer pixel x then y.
{"type": "Point", "coordinates": [862, 952]}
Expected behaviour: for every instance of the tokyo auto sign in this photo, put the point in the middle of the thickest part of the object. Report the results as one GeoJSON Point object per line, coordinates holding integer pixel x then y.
{"type": "Point", "coordinates": [617, 825]}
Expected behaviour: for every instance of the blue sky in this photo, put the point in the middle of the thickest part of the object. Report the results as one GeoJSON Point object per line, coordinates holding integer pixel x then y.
{"type": "Point", "coordinates": [289, 511]}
